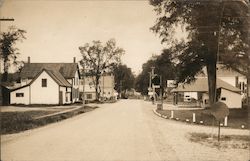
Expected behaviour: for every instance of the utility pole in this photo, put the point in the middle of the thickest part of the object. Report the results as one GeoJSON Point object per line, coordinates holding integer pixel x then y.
{"type": "Point", "coordinates": [83, 86]}
{"type": "Point", "coordinates": [161, 89]}
{"type": "Point", "coordinates": [150, 79]}
{"type": "Point", "coordinates": [152, 76]}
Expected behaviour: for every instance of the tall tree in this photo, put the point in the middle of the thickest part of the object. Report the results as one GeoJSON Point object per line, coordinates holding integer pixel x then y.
{"type": "Point", "coordinates": [124, 78]}
{"type": "Point", "coordinates": [98, 58]}
{"type": "Point", "coordinates": [8, 50]}
{"type": "Point", "coordinates": [205, 22]}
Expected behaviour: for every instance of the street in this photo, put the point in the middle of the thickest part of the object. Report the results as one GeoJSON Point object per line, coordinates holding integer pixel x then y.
{"type": "Point", "coordinates": [126, 130]}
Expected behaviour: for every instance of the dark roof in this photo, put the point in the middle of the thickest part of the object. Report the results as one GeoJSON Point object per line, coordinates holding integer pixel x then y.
{"type": "Point", "coordinates": [67, 70]}
{"type": "Point", "coordinates": [201, 85]}
{"type": "Point", "coordinates": [56, 76]}
{"type": "Point", "coordinates": [60, 80]}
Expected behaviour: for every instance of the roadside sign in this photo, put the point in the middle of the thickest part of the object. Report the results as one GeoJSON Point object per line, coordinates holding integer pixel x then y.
{"type": "Point", "coordinates": [219, 110]}
{"type": "Point", "coordinates": [156, 86]}
{"type": "Point", "coordinates": [156, 80]}
{"type": "Point", "coordinates": [150, 93]}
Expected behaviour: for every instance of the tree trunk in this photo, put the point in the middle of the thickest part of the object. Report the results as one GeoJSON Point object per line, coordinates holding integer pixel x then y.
{"type": "Point", "coordinates": [97, 78]}
{"type": "Point", "coordinates": [5, 73]}
{"type": "Point", "coordinates": [211, 74]}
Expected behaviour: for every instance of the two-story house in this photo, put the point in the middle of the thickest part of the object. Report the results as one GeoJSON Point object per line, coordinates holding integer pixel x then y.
{"type": "Point", "coordinates": [47, 83]}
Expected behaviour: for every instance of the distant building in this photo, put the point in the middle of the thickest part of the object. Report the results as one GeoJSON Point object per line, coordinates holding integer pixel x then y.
{"type": "Point", "coordinates": [106, 87]}
{"type": "Point", "coordinates": [46, 83]}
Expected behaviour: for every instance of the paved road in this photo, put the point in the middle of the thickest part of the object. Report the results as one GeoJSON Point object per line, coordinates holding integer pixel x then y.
{"type": "Point", "coordinates": [126, 130]}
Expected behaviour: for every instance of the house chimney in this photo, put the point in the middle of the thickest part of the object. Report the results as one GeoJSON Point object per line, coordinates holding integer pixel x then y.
{"type": "Point", "coordinates": [74, 59]}
{"type": "Point", "coordinates": [28, 59]}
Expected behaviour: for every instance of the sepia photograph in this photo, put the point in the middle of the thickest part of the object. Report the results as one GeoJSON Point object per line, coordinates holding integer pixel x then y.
{"type": "Point", "coordinates": [124, 80]}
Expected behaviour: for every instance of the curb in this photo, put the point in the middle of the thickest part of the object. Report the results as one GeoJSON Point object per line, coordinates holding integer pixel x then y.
{"type": "Point", "coordinates": [189, 121]}
{"type": "Point", "coordinates": [177, 119]}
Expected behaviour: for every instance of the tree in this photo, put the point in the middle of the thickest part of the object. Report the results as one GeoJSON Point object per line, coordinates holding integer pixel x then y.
{"type": "Point", "coordinates": [8, 50]}
{"type": "Point", "coordinates": [205, 22]}
{"type": "Point", "coordinates": [98, 58]}
{"type": "Point", "coordinates": [124, 78]}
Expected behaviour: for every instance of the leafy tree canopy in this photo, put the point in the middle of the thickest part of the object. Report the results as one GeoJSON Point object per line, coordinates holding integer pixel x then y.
{"type": "Point", "coordinates": [124, 78]}
{"type": "Point", "coordinates": [8, 51]}
{"type": "Point", "coordinates": [213, 28]}
{"type": "Point", "coordinates": [98, 58]}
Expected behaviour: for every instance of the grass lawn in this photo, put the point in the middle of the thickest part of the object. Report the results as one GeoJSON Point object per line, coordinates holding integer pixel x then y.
{"type": "Point", "coordinates": [226, 141]}
{"type": "Point", "coordinates": [236, 118]}
{"type": "Point", "coordinates": [14, 122]}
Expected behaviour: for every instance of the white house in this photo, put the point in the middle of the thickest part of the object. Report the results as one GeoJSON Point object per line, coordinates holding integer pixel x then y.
{"type": "Point", "coordinates": [230, 76]}
{"type": "Point", "coordinates": [198, 91]}
{"type": "Point", "coordinates": [46, 83]}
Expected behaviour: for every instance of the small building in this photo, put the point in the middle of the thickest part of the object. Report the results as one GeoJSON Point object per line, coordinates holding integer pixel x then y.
{"type": "Point", "coordinates": [46, 83]}
{"type": "Point", "coordinates": [197, 92]}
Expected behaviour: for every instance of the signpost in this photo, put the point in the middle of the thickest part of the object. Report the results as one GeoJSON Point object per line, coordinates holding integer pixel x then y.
{"type": "Point", "coordinates": [219, 111]}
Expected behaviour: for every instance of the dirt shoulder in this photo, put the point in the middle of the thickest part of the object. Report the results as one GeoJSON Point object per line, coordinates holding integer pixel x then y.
{"type": "Point", "coordinates": [26, 118]}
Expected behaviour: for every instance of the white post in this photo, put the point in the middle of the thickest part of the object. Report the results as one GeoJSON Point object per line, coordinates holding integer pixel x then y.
{"type": "Point", "coordinates": [194, 120]}
{"type": "Point", "coordinates": [172, 114]}
{"type": "Point", "coordinates": [225, 121]}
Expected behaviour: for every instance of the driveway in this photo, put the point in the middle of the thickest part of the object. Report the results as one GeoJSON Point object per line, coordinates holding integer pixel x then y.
{"type": "Point", "coordinates": [126, 130]}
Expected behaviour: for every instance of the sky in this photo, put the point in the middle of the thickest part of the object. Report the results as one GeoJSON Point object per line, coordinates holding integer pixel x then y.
{"type": "Point", "coordinates": [56, 28]}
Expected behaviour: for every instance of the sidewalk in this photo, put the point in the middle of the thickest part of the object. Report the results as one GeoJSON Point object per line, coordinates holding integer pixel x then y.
{"type": "Point", "coordinates": [57, 113]}
{"type": "Point", "coordinates": [39, 108]}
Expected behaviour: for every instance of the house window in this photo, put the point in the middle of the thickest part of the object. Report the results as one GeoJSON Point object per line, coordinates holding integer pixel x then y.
{"type": "Point", "coordinates": [44, 82]}
{"type": "Point", "coordinates": [223, 98]}
{"type": "Point", "coordinates": [89, 96]}
{"type": "Point", "coordinates": [19, 94]}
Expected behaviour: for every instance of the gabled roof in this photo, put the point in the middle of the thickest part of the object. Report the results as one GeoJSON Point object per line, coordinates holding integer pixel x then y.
{"type": "Point", "coordinates": [56, 76]}
{"type": "Point", "coordinates": [67, 70]}
{"type": "Point", "coordinates": [201, 85]}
